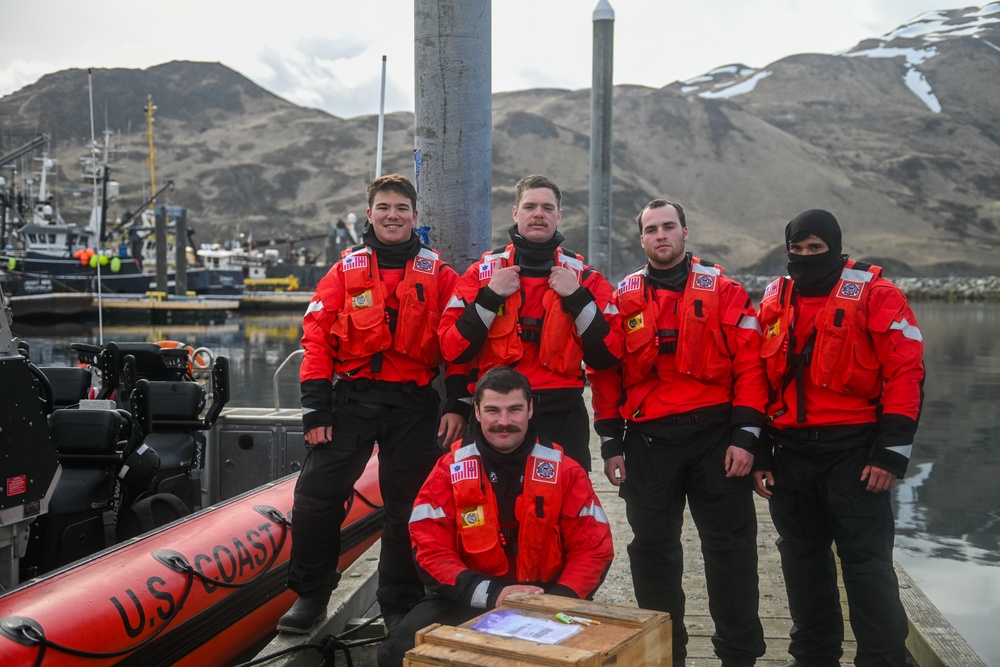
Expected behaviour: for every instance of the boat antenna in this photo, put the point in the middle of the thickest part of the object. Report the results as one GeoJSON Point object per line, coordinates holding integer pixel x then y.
{"type": "Point", "coordinates": [93, 157]}
{"type": "Point", "coordinates": [381, 125]}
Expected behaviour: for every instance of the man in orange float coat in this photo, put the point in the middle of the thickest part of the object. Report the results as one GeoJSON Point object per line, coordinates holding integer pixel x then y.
{"type": "Point", "coordinates": [845, 363]}
{"type": "Point", "coordinates": [505, 512]}
{"type": "Point", "coordinates": [372, 326]}
{"type": "Point", "coordinates": [536, 306]}
{"type": "Point", "coordinates": [681, 418]}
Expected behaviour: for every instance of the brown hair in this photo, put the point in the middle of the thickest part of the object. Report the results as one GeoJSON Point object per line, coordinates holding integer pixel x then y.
{"type": "Point", "coordinates": [660, 203]}
{"type": "Point", "coordinates": [503, 380]}
{"type": "Point", "coordinates": [392, 183]}
{"type": "Point", "coordinates": [536, 181]}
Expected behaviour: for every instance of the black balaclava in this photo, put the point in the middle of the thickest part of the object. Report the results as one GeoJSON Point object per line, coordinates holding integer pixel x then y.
{"type": "Point", "coordinates": [815, 275]}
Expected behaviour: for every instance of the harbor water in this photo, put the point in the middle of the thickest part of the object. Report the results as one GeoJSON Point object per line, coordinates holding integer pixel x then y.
{"type": "Point", "coordinates": [947, 507]}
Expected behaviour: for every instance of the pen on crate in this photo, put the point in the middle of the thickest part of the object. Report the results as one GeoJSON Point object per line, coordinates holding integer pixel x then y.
{"type": "Point", "coordinates": [566, 618]}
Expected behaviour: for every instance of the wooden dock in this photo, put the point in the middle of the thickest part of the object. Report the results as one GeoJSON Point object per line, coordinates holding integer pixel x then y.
{"type": "Point", "coordinates": [275, 300]}
{"type": "Point", "coordinates": [932, 642]}
{"type": "Point", "coordinates": [163, 308]}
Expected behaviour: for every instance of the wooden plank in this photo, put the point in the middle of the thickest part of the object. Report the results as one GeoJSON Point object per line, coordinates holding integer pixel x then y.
{"type": "Point", "coordinates": [933, 641]}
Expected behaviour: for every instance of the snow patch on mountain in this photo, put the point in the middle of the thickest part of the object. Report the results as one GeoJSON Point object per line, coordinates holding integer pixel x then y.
{"type": "Point", "coordinates": [913, 78]}
{"type": "Point", "coordinates": [738, 88]}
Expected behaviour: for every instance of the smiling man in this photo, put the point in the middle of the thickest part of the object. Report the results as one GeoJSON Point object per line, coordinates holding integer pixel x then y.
{"type": "Point", "coordinates": [372, 326]}
{"type": "Point", "coordinates": [679, 419]}
{"type": "Point", "coordinates": [504, 512]}
{"type": "Point", "coordinates": [535, 305]}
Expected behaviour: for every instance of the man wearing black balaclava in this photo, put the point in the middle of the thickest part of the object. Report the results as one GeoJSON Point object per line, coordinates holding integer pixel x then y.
{"type": "Point", "coordinates": [844, 360]}
{"type": "Point", "coordinates": [536, 306]}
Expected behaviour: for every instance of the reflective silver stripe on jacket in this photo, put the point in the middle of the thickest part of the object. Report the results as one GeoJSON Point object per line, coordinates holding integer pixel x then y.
{"type": "Point", "coordinates": [542, 452]}
{"type": "Point", "coordinates": [902, 450]}
{"type": "Point", "coordinates": [594, 510]}
{"type": "Point", "coordinates": [426, 511]}
{"type": "Point", "coordinates": [480, 595]}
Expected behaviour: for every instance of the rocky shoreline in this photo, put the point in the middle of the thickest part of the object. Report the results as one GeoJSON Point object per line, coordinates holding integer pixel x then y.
{"type": "Point", "coordinates": [984, 288]}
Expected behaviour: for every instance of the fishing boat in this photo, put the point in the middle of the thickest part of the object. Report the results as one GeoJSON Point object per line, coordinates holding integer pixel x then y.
{"type": "Point", "coordinates": [141, 531]}
{"type": "Point", "coordinates": [42, 255]}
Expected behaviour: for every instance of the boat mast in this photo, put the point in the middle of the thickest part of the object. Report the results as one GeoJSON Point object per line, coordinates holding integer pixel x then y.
{"type": "Point", "coordinates": [149, 110]}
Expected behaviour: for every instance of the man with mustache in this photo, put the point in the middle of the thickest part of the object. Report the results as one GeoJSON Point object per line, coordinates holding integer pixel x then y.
{"type": "Point", "coordinates": [679, 419]}
{"type": "Point", "coordinates": [845, 362]}
{"type": "Point", "coordinates": [504, 512]}
{"type": "Point", "coordinates": [536, 306]}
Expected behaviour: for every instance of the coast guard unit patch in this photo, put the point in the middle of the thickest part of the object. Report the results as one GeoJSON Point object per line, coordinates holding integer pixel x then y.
{"type": "Point", "coordinates": [850, 289]}
{"type": "Point", "coordinates": [704, 282]}
{"type": "Point", "coordinates": [359, 261]}
{"type": "Point", "coordinates": [545, 471]}
{"type": "Point", "coordinates": [423, 265]}
{"type": "Point", "coordinates": [634, 323]}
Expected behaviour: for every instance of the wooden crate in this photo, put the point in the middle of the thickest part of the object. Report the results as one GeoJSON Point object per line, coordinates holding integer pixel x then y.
{"type": "Point", "coordinates": [626, 636]}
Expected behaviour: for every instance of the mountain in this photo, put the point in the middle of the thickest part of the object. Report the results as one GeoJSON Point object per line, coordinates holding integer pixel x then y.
{"type": "Point", "coordinates": [898, 136]}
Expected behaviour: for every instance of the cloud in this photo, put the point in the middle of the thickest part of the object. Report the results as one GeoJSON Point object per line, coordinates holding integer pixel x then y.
{"type": "Point", "coordinates": [325, 48]}
{"type": "Point", "coordinates": [21, 73]}
{"type": "Point", "coordinates": [328, 54]}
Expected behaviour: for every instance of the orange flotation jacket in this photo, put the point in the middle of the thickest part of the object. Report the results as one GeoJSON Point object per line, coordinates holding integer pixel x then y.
{"type": "Point", "coordinates": [540, 556]}
{"type": "Point", "coordinates": [843, 356]}
{"type": "Point", "coordinates": [362, 326]}
{"type": "Point", "coordinates": [560, 347]}
{"type": "Point", "coordinates": [701, 349]}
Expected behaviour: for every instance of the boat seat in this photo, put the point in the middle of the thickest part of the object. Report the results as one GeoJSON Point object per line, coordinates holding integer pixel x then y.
{"type": "Point", "coordinates": [151, 360]}
{"type": "Point", "coordinates": [70, 384]}
{"type": "Point", "coordinates": [176, 405]}
{"type": "Point", "coordinates": [86, 437]}
{"type": "Point", "coordinates": [81, 490]}
{"type": "Point", "coordinates": [176, 450]}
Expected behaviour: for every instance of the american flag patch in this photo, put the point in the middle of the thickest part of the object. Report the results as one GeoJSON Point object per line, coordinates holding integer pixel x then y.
{"type": "Point", "coordinates": [486, 270]}
{"type": "Point", "coordinates": [464, 470]}
{"type": "Point", "coordinates": [772, 290]}
{"type": "Point", "coordinates": [423, 265]}
{"type": "Point", "coordinates": [359, 261]}
{"type": "Point", "coordinates": [630, 284]}
{"type": "Point", "coordinates": [850, 289]}
{"type": "Point", "coordinates": [704, 282]}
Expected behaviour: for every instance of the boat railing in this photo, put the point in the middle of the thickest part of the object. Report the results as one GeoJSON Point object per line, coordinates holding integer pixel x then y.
{"type": "Point", "coordinates": [274, 380]}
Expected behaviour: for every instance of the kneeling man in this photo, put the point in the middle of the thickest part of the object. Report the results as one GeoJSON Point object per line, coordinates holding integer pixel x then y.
{"type": "Point", "coordinates": [504, 512]}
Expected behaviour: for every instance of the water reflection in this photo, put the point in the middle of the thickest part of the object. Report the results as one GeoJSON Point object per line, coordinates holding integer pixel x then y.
{"type": "Point", "coordinates": [255, 345]}
{"type": "Point", "coordinates": [948, 507]}
{"type": "Point", "coordinates": [952, 490]}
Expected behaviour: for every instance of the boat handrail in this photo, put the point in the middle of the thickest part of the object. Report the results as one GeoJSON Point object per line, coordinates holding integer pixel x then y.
{"type": "Point", "coordinates": [274, 380]}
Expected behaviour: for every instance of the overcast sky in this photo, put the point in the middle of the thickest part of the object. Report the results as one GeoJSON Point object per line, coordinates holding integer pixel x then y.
{"type": "Point", "coordinates": [327, 54]}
